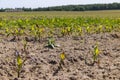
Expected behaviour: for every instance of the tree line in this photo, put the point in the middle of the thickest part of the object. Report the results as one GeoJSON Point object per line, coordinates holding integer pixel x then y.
{"type": "Point", "coordinates": [88, 7]}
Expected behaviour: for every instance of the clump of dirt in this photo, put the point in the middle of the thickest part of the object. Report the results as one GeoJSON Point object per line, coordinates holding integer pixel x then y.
{"type": "Point", "coordinates": [43, 63]}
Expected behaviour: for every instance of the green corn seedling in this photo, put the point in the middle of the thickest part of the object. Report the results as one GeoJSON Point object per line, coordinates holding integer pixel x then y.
{"type": "Point", "coordinates": [95, 53]}
{"type": "Point", "coordinates": [88, 29]}
{"type": "Point", "coordinates": [79, 30]}
{"type": "Point", "coordinates": [19, 62]}
{"type": "Point", "coordinates": [63, 31]}
{"type": "Point", "coordinates": [62, 58]}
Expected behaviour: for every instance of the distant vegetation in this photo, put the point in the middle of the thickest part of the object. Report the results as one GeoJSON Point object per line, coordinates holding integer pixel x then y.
{"type": "Point", "coordinates": [88, 7]}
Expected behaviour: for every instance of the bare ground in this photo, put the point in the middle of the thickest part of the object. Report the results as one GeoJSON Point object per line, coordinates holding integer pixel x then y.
{"type": "Point", "coordinates": [43, 63]}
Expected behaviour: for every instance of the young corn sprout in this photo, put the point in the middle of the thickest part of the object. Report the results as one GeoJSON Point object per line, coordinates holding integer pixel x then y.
{"type": "Point", "coordinates": [88, 29]}
{"type": "Point", "coordinates": [7, 31]}
{"type": "Point", "coordinates": [62, 58]}
{"type": "Point", "coordinates": [64, 31]}
{"type": "Point", "coordinates": [19, 62]}
{"type": "Point", "coordinates": [37, 32]}
{"type": "Point", "coordinates": [99, 29]}
{"type": "Point", "coordinates": [95, 53]}
{"type": "Point", "coordinates": [79, 30]}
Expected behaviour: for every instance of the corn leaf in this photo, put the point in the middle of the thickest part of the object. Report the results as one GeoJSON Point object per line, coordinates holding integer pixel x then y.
{"type": "Point", "coordinates": [62, 56]}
